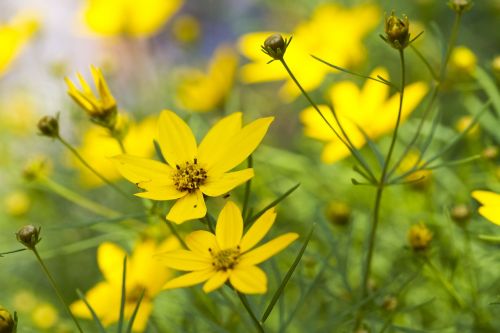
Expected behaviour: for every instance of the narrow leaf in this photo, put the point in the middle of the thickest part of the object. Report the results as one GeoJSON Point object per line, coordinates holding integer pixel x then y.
{"type": "Point", "coordinates": [158, 152]}
{"type": "Point", "coordinates": [123, 296]}
{"type": "Point", "coordinates": [100, 327]}
{"type": "Point", "coordinates": [134, 314]}
{"type": "Point", "coordinates": [274, 203]}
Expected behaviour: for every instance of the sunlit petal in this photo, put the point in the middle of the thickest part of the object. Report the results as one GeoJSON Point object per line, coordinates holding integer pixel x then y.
{"type": "Point", "coordinates": [249, 280]}
{"type": "Point", "coordinates": [258, 230]}
{"type": "Point", "coordinates": [201, 241]}
{"type": "Point", "coordinates": [166, 192]}
{"type": "Point", "coordinates": [142, 171]}
{"type": "Point", "coordinates": [190, 279]}
{"type": "Point", "coordinates": [491, 213]}
{"type": "Point", "coordinates": [267, 250]}
{"type": "Point", "coordinates": [110, 260]}
{"type": "Point", "coordinates": [189, 207]}
{"type": "Point", "coordinates": [217, 280]}
{"type": "Point", "coordinates": [487, 198]}
{"type": "Point", "coordinates": [229, 227]}
{"type": "Point", "coordinates": [226, 182]}
{"type": "Point", "coordinates": [184, 260]}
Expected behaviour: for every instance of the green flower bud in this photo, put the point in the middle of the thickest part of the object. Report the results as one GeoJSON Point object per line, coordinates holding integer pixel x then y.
{"type": "Point", "coordinates": [49, 126]}
{"type": "Point", "coordinates": [29, 236]}
{"type": "Point", "coordinates": [7, 323]}
{"type": "Point", "coordinates": [460, 6]}
{"type": "Point", "coordinates": [275, 46]}
{"type": "Point", "coordinates": [461, 214]}
{"type": "Point", "coordinates": [397, 31]}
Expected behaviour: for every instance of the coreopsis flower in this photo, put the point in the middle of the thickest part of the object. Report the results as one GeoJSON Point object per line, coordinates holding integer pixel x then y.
{"type": "Point", "coordinates": [490, 202]}
{"type": "Point", "coordinates": [397, 31]}
{"type": "Point", "coordinates": [227, 255]}
{"type": "Point", "coordinates": [128, 17]}
{"type": "Point", "coordinates": [101, 109]}
{"type": "Point", "coordinates": [369, 109]}
{"type": "Point", "coordinates": [29, 236]}
{"type": "Point", "coordinates": [333, 33]}
{"type": "Point", "coordinates": [201, 92]}
{"type": "Point", "coordinates": [144, 273]}
{"type": "Point", "coordinates": [192, 171]}
{"type": "Point", "coordinates": [44, 316]}
{"type": "Point", "coordinates": [98, 146]}
{"type": "Point", "coordinates": [13, 36]}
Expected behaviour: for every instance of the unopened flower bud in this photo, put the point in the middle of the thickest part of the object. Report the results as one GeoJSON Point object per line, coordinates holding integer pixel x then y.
{"type": "Point", "coordinates": [461, 214]}
{"type": "Point", "coordinates": [275, 46]}
{"type": "Point", "coordinates": [397, 31]}
{"type": "Point", "coordinates": [29, 236]}
{"type": "Point", "coordinates": [7, 323]}
{"type": "Point", "coordinates": [490, 153]}
{"type": "Point", "coordinates": [49, 126]}
{"type": "Point", "coordinates": [419, 237]}
{"type": "Point", "coordinates": [460, 6]}
{"type": "Point", "coordinates": [390, 303]}
{"type": "Point", "coordinates": [338, 213]}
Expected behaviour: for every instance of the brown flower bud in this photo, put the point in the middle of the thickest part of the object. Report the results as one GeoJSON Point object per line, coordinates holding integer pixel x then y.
{"type": "Point", "coordinates": [7, 323]}
{"type": "Point", "coordinates": [49, 126]}
{"type": "Point", "coordinates": [29, 236]}
{"type": "Point", "coordinates": [275, 46]}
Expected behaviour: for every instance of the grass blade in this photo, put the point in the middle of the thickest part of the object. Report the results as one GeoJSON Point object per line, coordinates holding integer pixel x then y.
{"type": "Point", "coordinates": [272, 204]}
{"type": "Point", "coordinates": [123, 297]}
{"type": "Point", "coordinates": [100, 327]}
{"type": "Point", "coordinates": [136, 309]}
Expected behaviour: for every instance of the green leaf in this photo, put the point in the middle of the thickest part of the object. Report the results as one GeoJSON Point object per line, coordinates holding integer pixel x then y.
{"type": "Point", "coordinates": [287, 277]}
{"type": "Point", "coordinates": [123, 296]}
{"type": "Point", "coordinates": [134, 314]}
{"type": "Point", "coordinates": [100, 327]}
{"type": "Point", "coordinates": [272, 204]}
{"type": "Point", "coordinates": [490, 88]}
{"type": "Point", "coordinates": [159, 154]}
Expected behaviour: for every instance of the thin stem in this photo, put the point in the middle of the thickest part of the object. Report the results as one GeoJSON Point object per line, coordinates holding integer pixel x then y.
{"type": "Point", "coordinates": [451, 44]}
{"type": "Point", "coordinates": [91, 168]}
{"type": "Point", "coordinates": [54, 285]}
{"type": "Point", "coordinates": [426, 63]}
{"type": "Point", "coordinates": [244, 301]}
{"type": "Point", "coordinates": [174, 232]}
{"type": "Point", "coordinates": [248, 187]}
{"type": "Point", "coordinates": [446, 284]}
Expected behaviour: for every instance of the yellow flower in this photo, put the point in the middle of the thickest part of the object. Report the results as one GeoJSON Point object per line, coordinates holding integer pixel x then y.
{"type": "Point", "coordinates": [202, 92]}
{"type": "Point", "coordinates": [44, 316]}
{"type": "Point", "coordinates": [102, 109]}
{"type": "Point", "coordinates": [227, 254]}
{"type": "Point", "coordinates": [192, 170]}
{"type": "Point", "coordinates": [419, 237]}
{"type": "Point", "coordinates": [463, 60]}
{"type": "Point", "coordinates": [144, 272]}
{"type": "Point", "coordinates": [13, 36]}
{"type": "Point", "coordinates": [16, 203]}
{"type": "Point", "coordinates": [129, 17]}
{"type": "Point", "coordinates": [491, 205]}
{"type": "Point", "coordinates": [369, 108]}
{"type": "Point", "coordinates": [334, 33]}
{"type": "Point", "coordinates": [98, 146]}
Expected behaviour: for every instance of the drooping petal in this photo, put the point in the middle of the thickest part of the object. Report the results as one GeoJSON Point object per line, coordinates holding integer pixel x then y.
{"type": "Point", "coordinates": [226, 182]}
{"type": "Point", "coordinates": [167, 192]}
{"type": "Point", "coordinates": [191, 206]}
{"type": "Point", "coordinates": [249, 280]}
{"type": "Point", "coordinates": [217, 280]}
{"type": "Point", "coordinates": [190, 279]}
{"type": "Point", "coordinates": [487, 198]}
{"type": "Point", "coordinates": [110, 260]}
{"type": "Point", "coordinates": [143, 171]}
{"type": "Point", "coordinates": [242, 145]}
{"type": "Point", "coordinates": [184, 260]}
{"type": "Point", "coordinates": [267, 250]}
{"type": "Point", "coordinates": [258, 230]}
{"type": "Point", "coordinates": [201, 241]}
{"type": "Point", "coordinates": [176, 139]}
{"type": "Point", "coordinates": [229, 227]}
{"type": "Point", "coordinates": [216, 142]}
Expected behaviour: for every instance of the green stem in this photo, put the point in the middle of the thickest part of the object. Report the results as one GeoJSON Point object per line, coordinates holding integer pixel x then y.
{"type": "Point", "coordinates": [451, 45]}
{"type": "Point", "coordinates": [446, 284]}
{"type": "Point", "coordinates": [54, 285]}
{"type": "Point", "coordinates": [174, 232]}
{"type": "Point", "coordinates": [248, 187]}
{"type": "Point", "coordinates": [244, 301]}
{"type": "Point", "coordinates": [91, 168]}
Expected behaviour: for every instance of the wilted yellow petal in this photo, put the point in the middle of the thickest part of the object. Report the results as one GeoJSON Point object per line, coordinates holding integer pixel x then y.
{"type": "Point", "coordinates": [229, 227]}
{"type": "Point", "coordinates": [184, 260]}
{"type": "Point", "coordinates": [225, 183]}
{"type": "Point", "coordinates": [190, 279]}
{"type": "Point", "coordinates": [191, 206]}
{"type": "Point", "coordinates": [258, 230]}
{"type": "Point", "coordinates": [249, 280]}
{"type": "Point", "coordinates": [217, 280]}
{"type": "Point", "coordinates": [267, 250]}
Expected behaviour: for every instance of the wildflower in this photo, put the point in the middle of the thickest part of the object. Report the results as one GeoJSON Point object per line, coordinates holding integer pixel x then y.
{"type": "Point", "coordinates": [462, 60]}
{"type": "Point", "coordinates": [49, 126]}
{"type": "Point", "coordinates": [333, 33]}
{"type": "Point", "coordinates": [7, 323]}
{"type": "Point", "coordinates": [368, 108]}
{"type": "Point", "coordinates": [419, 237]}
{"type": "Point", "coordinates": [128, 17]}
{"type": "Point", "coordinates": [13, 36]}
{"type": "Point", "coordinates": [275, 46]}
{"type": "Point", "coordinates": [227, 254]}
{"type": "Point", "coordinates": [144, 273]}
{"type": "Point", "coordinates": [101, 109]}
{"type": "Point", "coordinates": [202, 92]}
{"type": "Point", "coordinates": [490, 202]}
{"type": "Point", "coordinates": [29, 236]}
{"type": "Point", "coordinates": [44, 316]}
{"type": "Point", "coordinates": [192, 171]}
{"type": "Point", "coordinates": [17, 203]}
{"type": "Point", "coordinates": [98, 146]}
{"type": "Point", "coordinates": [397, 31]}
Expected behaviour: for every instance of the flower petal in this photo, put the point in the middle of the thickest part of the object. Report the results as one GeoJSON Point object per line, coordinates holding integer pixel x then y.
{"type": "Point", "coordinates": [142, 171]}
{"type": "Point", "coordinates": [242, 145]}
{"type": "Point", "coordinates": [166, 192]}
{"type": "Point", "coordinates": [190, 279]}
{"type": "Point", "coordinates": [249, 280]}
{"type": "Point", "coordinates": [201, 241]}
{"type": "Point", "coordinates": [190, 207]}
{"type": "Point", "coordinates": [176, 139]}
{"type": "Point", "coordinates": [229, 227]}
{"type": "Point", "coordinates": [487, 198]}
{"type": "Point", "coordinates": [215, 143]}
{"type": "Point", "coordinates": [258, 230]}
{"type": "Point", "coordinates": [184, 260]}
{"type": "Point", "coordinates": [267, 250]}
{"type": "Point", "coordinates": [226, 182]}
{"type": "Point", "coordinates": [491, 213]}
{"type": "Point", "coordinates": [217, 280]}
{"type": "Point", "coordinates": [103, 297]}
{"type": "Point", "coordinates": [110, 260]}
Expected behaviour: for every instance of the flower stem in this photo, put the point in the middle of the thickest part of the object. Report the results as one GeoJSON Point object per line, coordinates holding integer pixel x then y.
{"type": "Point", "coordinates": [56, 289]}
{"type": "Point", "coordinates": [248, 187]}
{"type": "Point", "coordinates": [244, 301]}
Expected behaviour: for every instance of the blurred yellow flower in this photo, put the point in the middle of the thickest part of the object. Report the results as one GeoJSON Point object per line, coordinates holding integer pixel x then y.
{"type": "Point", "coordinates": [462, 60]}
{"type": "Point", "coordinates": [186, 29]}
{"type": "Point", "coordinates": [193, 171]}
{"type": "Point", "coordinates": [128, 17]}
{"type": "Point", "coordinates": [334, 33]}
{"type": "Point", "coordinates": [44, 316]}
{"type": "Point", "coordinates": [227, 254]}
{"type": "Point", "coordinates": [13, 36]}
{"type": "Point", "coordinates": [490, 202]}
{"type": "Point", "coordinates": [18, 113]}
{"type": "Point", "coordinates": [419, 237]}
{"type": "Point", "coordinates": [463, 123]}
{"type": "Point", "coordinates": [144, 272]}
{"type": "Point", "coordinates": [421, 177]}
{"type": "Point", "coordinates": [202, 92]}
{"type": "Point", "coordinates": [369, 108]}
{"type": "Point", "coordinates": [98, 146]}
{"type": "Point", "coordinates": [17, 203]}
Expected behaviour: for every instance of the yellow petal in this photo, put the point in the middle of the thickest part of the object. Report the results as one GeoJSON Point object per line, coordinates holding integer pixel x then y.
{"type": "Point", "coordinates": [166, 192]}
{"type": "Point", "coordinates": [314, 126]}
{"type": "Point", "coordinates": [217, 280]}
{"type": "Point", "coordinates": [201, 241]}
{"type": "Point", "coordinates": [189, 279]}
{"type": "Point", "coordinates": [249, 280]}
{"type": "Point", "coordinates": [374, 93]}
{"type": "Point", "coordinates": [110, 259]}
{"type": "Point", "coordinates": [487, 198]}
{"type": "Point", "coordinates": [142, 317]}
{"type": "Point", "coordinates": [143, 171]}
{"type": "Point", "coordinates": [491, 213]}
{"type": "Point", "coordinates": [191, 206]}
{"type": "Point", "coordinates": [215, 143]}
{"type": "Point", "coordinates": [267, 250]}
{"type": "Point", "coordinates": [225, 183]}
{"type": "Point", "coordinates": [184, 260]}
{"type": "Point", "coordinates": [229, 227]}
{"type": "Point", "coordinates": [176, 139]}
{"type": "Point", "coordinates": [104, 298]}
{"type": "Point", "coordinates": [258, 230]}
{"type": "Point", "coordinates": [242, 145]}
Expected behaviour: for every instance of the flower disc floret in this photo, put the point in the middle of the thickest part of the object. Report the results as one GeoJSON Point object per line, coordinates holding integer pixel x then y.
{"type": "Point", "coordinates": [189, 177]}
{"type": "Point", "coordinates": [225, 259]}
